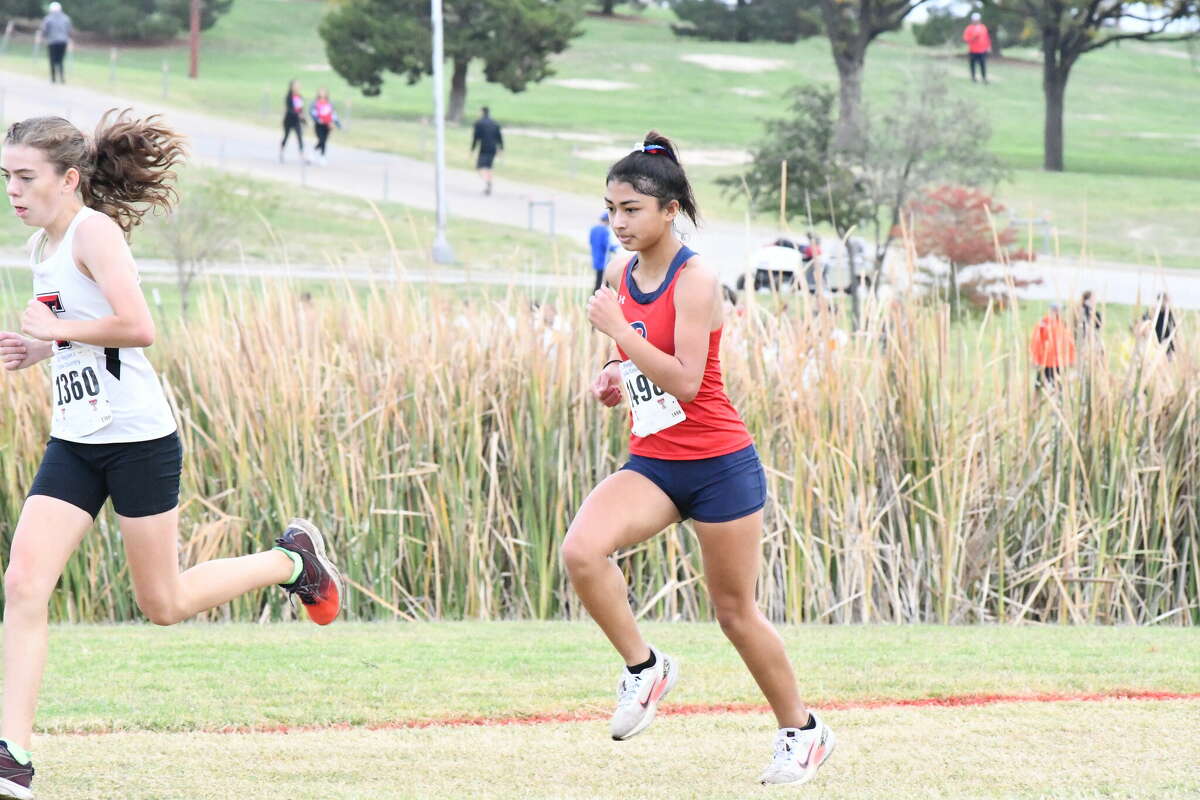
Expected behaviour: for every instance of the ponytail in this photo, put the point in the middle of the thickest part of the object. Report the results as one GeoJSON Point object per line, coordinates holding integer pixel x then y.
{"type": "Point", "coordinates": [126, 169]}
{"type": "Point", "coordinates": [133, 168]}
{"type": "Point", "coordinates": [654, 169]}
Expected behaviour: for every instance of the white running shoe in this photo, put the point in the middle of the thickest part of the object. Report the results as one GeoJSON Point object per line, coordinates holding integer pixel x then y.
{"type": "Point", "coordinates": [638, 696]}
{"type": "Point", "coordinates": [798, 754]}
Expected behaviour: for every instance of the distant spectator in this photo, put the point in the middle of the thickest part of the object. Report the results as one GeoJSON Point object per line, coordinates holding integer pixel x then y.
{"type": "Point", "coordinates": [489, 141]}
{"type": "Point", "coordinates": [56, 32]}
{"type": "Point", "coordinates": [603, 245]}
{"type": "Point", "coordinates": [1164, 323]}
{"type": "Point", "coordinates": [979, 44]}
{"type": "Point", "coordinates": [323, 116]}
{"type": "Point", "coordinates": [293, 118]}
{"type": "Point", "coordinates": [1088, 324]}
{"type": "Point", "coordinates": [810, 255]}
{"type": "Point", "coordinates": [1051, 347]}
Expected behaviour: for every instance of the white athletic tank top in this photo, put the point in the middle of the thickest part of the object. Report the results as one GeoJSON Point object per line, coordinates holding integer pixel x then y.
{"type": "Point", "coordinates": [140, 411]}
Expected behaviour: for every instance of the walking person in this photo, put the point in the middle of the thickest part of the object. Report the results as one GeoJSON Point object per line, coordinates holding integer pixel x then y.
{"type": "Point", "coordinates": [1051, 347]}
{"type": "Point", "coordinates": [1089, 323]}
{"type": "Point", "coordinates": [601, 241]}
{"type": "Point", "coordinates": [56, 32]}
{"type": "Point", "coordinates": [979, 44]}
{"type": "Point", "coordinates": [293, 119]}
{"type": "Point", "coordinates": [691, 457]}
{"type": "Point", "coordinates": [112, 433]}
{"type": "Point", "coordinates": [1164, 323]}
{"type": "Point", "coordinates": [323, 117]}
{"type": "Point", "coordinates": [488, 139]}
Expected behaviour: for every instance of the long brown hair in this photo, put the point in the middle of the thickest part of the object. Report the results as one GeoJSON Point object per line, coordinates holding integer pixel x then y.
{"type": "Point", "coordinates": [126, 168]}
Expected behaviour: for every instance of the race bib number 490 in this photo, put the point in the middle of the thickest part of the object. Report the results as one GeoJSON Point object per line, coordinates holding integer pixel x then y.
{"type": "Point", "coordinates": [653, 409]}
{"type": "Point", "coordinates": [80, 403]}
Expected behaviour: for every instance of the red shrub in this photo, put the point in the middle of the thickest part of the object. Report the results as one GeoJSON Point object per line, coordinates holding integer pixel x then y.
{"type": "Point", "coordinates": [958, 223]}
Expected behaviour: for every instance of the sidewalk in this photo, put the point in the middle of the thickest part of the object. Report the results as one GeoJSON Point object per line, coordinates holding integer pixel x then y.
{"type": "Point", "coordinates": [254, 149]}
{"type": "Point", "coordinates": [361, 173]}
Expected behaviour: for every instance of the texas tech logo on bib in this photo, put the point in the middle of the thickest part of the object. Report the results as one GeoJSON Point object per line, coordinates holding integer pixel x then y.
{"type": "Point", "coordinates": [54, 302]}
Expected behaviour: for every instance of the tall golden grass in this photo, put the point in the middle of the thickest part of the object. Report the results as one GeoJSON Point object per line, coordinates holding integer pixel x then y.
{"type": "Point", "coordinates": [444, 443]}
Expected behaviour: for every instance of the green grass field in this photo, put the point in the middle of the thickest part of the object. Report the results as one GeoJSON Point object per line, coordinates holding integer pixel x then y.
{"type": "Point", "coordinates": [1131, 193]}
{"type": "Point", "coordinates": [137, 712]}
{"type": "Point", "coordinates": [309, 227]}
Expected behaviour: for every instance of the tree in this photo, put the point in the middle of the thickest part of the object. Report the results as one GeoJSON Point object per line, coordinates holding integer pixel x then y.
{"type": "Point", "coordinates": [925, 137]}
{"type": "Point", "coordinates": [1071, 28]}
{"type": "Point", "coordinates": [209, 219]}
{"type": "Point", "coordinates": [959, 225]}
{"type": "Point", "coordinates": [21, 9]}
{"type": "Point", "coordinates": [513, 38]}
{"type": "Point", "coordinates": [747, 20]}
{"type": "Point", "coordinates": [851, 26]}
{"type": "Point", "coordinates": [821, 187]}
{"type": "Point", "coordinates": [143, 20]}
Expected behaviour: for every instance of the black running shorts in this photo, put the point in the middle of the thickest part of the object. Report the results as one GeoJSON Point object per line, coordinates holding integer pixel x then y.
{"type": "Point", "coordinates": [142, 478]}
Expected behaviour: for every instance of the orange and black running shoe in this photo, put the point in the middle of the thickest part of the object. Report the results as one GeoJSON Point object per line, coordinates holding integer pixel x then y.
{"type": "Point", "coordinates": [319, 585]}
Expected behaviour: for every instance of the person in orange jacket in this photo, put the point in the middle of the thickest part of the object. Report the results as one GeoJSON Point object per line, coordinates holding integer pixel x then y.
{"type": "Point", "coordinates": [979, 44]}
{"type": "Point", "coordinates": [1052, 346]}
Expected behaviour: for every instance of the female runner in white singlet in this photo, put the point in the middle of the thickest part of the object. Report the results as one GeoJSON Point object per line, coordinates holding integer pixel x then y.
{"type": "Point", "coordinates": [112, 432]}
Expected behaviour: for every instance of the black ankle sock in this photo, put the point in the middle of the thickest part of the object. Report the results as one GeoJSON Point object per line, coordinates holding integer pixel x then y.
{"type": "Point", "coordinates": [636, 668]}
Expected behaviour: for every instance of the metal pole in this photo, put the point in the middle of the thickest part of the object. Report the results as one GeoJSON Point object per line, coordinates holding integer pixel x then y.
{"type": "Point", "coordinates": [442, 254]}
{"type": "Point", "coordinates": [112, 67]}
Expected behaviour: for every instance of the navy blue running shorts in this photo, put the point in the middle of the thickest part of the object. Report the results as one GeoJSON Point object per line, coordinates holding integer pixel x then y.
{"type": "Point", "coordinates": [141, 477]}
{"type": "Point", "coordinates": [717, 489]}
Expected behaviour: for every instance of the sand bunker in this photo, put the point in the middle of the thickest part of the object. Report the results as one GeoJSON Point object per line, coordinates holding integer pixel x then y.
{"type": "Point", "coordinates": [317, 68]}
{"type": "Point", "coordinates": [734, 63]}
{"type": "Point", "coordinates": [592, 84]}
{"type": "Point", "coordinates": [744, 92]}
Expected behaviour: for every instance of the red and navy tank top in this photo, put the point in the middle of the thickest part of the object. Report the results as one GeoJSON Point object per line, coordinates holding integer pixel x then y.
{"type": "Point", "coordinates": [713, 427]}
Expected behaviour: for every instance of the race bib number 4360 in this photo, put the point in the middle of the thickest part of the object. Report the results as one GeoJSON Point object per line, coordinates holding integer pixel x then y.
{"type": "Point", "coordinates": [653, 409]}
{"type": "Point", "coordinates": [80, 403]}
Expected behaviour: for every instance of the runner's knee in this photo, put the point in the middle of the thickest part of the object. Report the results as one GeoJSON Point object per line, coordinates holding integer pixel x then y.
{"type": "Point", "coordinates": [159, 609]}
{"type": "Point", "coordinates": [23, 588]}
{"type": "Point", "coordinates": [736, 617]}
{"type": "Point", "coordinates": [580, 555]}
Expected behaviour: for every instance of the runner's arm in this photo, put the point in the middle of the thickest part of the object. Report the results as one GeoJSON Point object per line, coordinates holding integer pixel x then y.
{"type": "Point", "coordinates": [679, 374]}
{"type": "Point", "coordinates": [101, 248]}
{"type": "Point", "coordinates": [19, 352]}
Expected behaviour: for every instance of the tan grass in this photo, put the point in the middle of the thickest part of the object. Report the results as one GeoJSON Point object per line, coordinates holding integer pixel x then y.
{"type": "Point", "coordinates": [1067, 750]}
{"type": "Point", "coordinates": [445, 443]}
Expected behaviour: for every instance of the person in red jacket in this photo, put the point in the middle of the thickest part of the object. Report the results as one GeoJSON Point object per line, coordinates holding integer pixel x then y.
{"type": "Point", "coordinates": [979, 44]}
{"type": "Point", "coordinates": [1052, 346]}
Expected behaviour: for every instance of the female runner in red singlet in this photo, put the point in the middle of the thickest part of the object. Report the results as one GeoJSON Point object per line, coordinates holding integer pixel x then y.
{"type": "Point", "coordinates": [690, 457]}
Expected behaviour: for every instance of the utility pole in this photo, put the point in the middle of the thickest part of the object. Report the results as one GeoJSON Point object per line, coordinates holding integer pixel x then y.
{"type": "Point", "coordinates": [194, 61]}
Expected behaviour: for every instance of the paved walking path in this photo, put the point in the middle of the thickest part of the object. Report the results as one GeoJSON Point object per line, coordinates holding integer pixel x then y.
{"type": "Point", "coordinates": [253, 149]}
